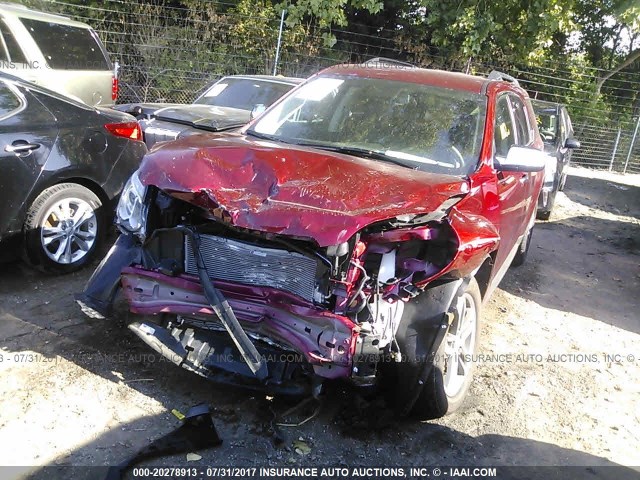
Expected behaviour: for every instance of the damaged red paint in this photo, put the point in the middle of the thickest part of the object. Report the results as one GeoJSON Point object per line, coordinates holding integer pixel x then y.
{"type": "Point", "coordinates": [293, 190]}
{"type": "Point", "coordinates": [365, 269]}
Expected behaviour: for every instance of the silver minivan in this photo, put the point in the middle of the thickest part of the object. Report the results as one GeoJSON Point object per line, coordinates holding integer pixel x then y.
{"type": "Point", "coordinates": [57, 53]}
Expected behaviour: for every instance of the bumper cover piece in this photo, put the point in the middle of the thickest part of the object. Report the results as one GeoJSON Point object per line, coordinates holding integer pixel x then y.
{"type": "Point", "coordinates": [325, 340]}
{"type": "Point", "coordinates": [96, 300]}
{"type": "Point", "coordinates": [211, 355]}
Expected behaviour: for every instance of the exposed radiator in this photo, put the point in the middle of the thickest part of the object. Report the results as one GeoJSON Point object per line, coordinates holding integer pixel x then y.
{"type": "Point", "coordinates": [248, 264]}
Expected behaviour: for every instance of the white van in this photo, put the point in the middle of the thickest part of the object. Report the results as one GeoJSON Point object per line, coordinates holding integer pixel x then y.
{"type": "Point", "coordinates": [57, 53]}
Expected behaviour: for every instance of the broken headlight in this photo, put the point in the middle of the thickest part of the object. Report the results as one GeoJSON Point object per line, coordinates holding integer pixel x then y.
{"type": "Point", "coordinates": [130, 212]}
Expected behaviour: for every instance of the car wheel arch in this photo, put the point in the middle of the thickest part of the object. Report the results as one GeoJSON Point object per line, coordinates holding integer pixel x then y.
{"type": "Point", "coordinates": [87, 183]}
{"type": "Point", "coordinates": [92, 185]}
{"type": "Point", "coordinates": [71, 177]}
{"type": "Point", "coordinates": [484, 274]}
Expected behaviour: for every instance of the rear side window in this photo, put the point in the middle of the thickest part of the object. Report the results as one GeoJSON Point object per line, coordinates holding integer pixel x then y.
{"type": "Point", "coordinates": [13, 52]}
{"type": "Point", "coordinates": [67, 48]}
{"type": "Point", "coordinates": [504, 134]}
{"type": "Point", "coordinates": [565, 113]}
{"type": "Point", "coordinates": [523, 128]}
{"type": "Point", "coordinates": [9, 102]}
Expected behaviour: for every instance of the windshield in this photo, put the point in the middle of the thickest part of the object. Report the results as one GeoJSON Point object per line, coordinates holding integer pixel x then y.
{"type": "Point", "coordinates": [243, 93]}
{"type": "Point", "coordinates": [418, 126]}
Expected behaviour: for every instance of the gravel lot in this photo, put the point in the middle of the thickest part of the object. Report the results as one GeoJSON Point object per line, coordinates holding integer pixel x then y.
{"type": "Point", "coordinates": [75, 391]}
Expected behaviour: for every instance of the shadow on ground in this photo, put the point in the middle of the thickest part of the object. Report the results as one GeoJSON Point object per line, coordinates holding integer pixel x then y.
{"type": "Point", "coordinates": [604, 194]}
{"type": "Point", "coordinates": [596, 273]}
{"type": "Point", "coordinates": [427, 445]}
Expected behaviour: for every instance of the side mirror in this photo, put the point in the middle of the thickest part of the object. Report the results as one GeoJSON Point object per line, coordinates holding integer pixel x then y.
{"type": "Point", "coordinates": [571, 142]}
{"type": "Point", "coordinates": [522, 159]}
{"type": "Point", "coordinates": [257, 110]}
{"type": "Point", "coordinates": [136, 111]}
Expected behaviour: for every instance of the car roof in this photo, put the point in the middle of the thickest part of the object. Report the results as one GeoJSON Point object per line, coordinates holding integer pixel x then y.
{"type": "Point", "coordinates": [16, 10]}
{"type": "Point", "coordinates": [439, 78]}
{"type": "Point", "coordinates": [269, 78]}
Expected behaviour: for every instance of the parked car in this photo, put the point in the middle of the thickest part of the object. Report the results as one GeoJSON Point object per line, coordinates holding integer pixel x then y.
{"type": "Point", "coordinates": [557, 134]}
{"type": "Point", "coordinates": [225, 105]}
{"type": "Point", "coordinates": [58, 53]}
{"type": "Point", "coordinates": [352, 231]}
{"type": "Point", "coordinates": [61, 165]}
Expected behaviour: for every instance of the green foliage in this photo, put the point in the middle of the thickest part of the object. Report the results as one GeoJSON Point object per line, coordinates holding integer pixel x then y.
{"type": "Point", "coordinates": [581, 52]}
{"type": "Point", "coordinates": [325, 13]}
{"type": "Point", "coordinates": [511, 29]}
{"type": "Point", "coordinates": [255, 34]}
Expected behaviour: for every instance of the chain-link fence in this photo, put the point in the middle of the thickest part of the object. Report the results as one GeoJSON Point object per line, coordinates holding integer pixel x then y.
{"type": "Point", "coordinates": [612, 148]}
{"type": "Point", "coordinates": [170, 54]}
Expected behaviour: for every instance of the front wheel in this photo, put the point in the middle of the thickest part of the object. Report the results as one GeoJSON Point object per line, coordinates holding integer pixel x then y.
{"type": "Point", "coordinates": [545, 212]}
{"type": "Point", "coordinates": [63, 228]}
{"type": "Point", "coordinates": [450, 378]}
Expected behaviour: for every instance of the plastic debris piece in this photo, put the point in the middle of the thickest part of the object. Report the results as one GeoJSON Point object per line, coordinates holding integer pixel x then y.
{"type": "Point", "coordinates": [301, 447]}
{"type": "Point", "coordinates": [178, 414]}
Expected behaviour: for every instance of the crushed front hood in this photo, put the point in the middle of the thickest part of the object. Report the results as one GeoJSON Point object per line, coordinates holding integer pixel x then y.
{"type": "Point", "coordinates": [292, 190]}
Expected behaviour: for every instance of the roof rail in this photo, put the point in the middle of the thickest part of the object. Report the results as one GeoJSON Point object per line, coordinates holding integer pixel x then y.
{"type": "Point", "coordinates": [382, 61]}
{"type": "Point", "coordinates": [496, 75]}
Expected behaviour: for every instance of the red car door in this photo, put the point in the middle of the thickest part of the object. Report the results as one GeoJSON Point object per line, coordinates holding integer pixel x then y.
{"type": "Point", "coordinates": [513, 187]}
{"type": "Point", "coordinates": [525, 135]}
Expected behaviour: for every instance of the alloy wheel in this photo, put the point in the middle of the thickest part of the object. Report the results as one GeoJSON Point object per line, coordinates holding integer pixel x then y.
{"type": "Point", "coordinates": [69, 230]}
{"type": "Point", "coordinates": [460, 343]}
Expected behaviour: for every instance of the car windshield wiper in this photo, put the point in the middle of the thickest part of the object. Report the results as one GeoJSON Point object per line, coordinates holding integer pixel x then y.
{"type": "Point", "coordinates": [227, 127]}
{"type": "Point", "coordinates": [359, 152]}
{"type": "Point", "coordinates": [199, 126]}
{"type": "Point", "coordinates": [264, 136]}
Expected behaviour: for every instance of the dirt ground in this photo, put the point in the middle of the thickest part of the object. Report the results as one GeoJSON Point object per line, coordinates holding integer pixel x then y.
{"type": "Point", "coordinates": [560, 384]}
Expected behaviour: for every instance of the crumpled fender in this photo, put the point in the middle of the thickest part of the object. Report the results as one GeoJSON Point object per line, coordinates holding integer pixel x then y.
{"type": "Point", "coordinates": [477, 238]}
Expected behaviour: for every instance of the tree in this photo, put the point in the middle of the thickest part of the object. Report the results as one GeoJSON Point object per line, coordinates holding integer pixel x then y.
{"type": "Point", "coordinates": [325, 13]}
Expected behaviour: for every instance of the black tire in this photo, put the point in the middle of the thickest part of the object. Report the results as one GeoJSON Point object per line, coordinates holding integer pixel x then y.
{"type": "Point", "coordinates": [523, 249]}
{"type": "Point", "coordinates": [434, 400]}
{"type": "Point", "coordinates": [545, 213]}
{"type": "Point", "coordinates": [83, 239]}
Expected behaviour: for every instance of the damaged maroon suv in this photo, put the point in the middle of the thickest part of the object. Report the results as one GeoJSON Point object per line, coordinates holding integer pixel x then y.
{"type": "Point", "coordinates": [352, 232]}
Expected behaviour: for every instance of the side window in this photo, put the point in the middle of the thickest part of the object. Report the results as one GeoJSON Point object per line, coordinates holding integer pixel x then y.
{"type": "Point", "coordinates": [504, 131]}
{"type": "Point", "coordinates": [570, 131]}
{"type": "Point", "coordinates": [520, 114]}
{"type": "Point", "coordinates": [10, 42]}
{"type": "Point", "coordinates": [9, 102]}
{"type": "Point", "coordinates": [67, 48]}
{"type": "Point", "coordinates": [563, 134]}
{"type": "Point", "coordinates": [567, 123]}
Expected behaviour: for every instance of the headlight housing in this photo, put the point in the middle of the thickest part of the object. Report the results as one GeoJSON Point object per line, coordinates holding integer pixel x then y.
{"type": "Point", "coordinates": [130, 214]}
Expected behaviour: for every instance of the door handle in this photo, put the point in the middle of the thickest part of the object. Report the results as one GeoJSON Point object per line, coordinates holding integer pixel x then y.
{"type": "Point", "coordinates": [16, 147]}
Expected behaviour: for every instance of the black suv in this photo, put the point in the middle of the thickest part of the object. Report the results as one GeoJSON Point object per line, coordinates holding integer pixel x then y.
{"type": "Point", "coordinates": [557, 133]}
